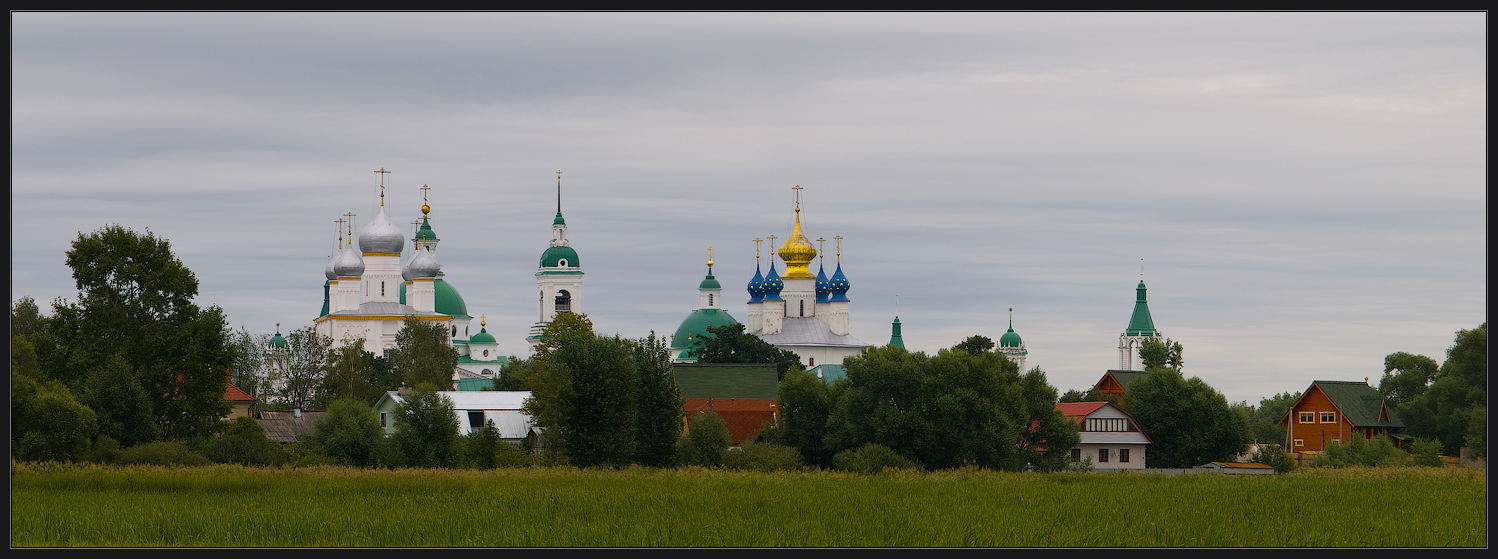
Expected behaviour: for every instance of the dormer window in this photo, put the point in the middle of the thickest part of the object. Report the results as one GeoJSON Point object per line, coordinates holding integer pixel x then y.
{"type": "Point", "coordinates": [562, 263]}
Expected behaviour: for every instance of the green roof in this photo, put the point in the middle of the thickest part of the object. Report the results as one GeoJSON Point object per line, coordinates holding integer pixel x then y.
{"type": "Point", "coordinates": [696, 325]}
{"type": "Point", "coordinates": [894, 336]}
{"type": "Point", "coordinates": [1359, 403]}
{"type": "Point", "coordinates": [726, 380]}
{"type": "Point", "coordinates": [1140, 324]}
{"type": "Point", "coordinates": [710, 282]}
{"type": "Point", "coordinates": [277, 340]}
{"type": "Point", "coordinates": [830, 372]}
{"type": "Point", "coordinates": [559, 220]}
{"type": "Point", "coordinates": [553, 255]}
{"type": "Point", "coordinates": [1010, 339]}
{"type": "Point", "coordinates": [483, 337]}
{"type": "Point", "coordinates": [1125, 378]}
{"type": "Point", "coordinates": [475, 384]}
{"type": "Point", "coordinates": [426, 233]}
{"type": "Point", "coordinates": [449, 302]}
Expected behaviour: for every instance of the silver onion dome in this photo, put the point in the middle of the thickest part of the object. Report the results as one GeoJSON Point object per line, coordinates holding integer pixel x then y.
{"type": "Point", "coordinates": [406, 270]}
{"type": "Point", "coordinates": [329, 273]}
{"type": "Point", "coordinates": [381, 235]}
{"type": "Point", "coordinates": [348, 264]}
{"type": "Point", "coordinates": [424, 265]}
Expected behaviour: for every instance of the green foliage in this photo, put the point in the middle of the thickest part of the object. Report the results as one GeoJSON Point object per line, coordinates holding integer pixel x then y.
{"type": "Point", "coordinates": [307, 354]}
{"type": "Point", "coordinates": [123, 411]}
{"type": "Point", "coordinates": [705, 442]}
{"type": "Point", "coordinates": [135, 299]}
{"type": "Point", "coordinates": [163, 453]}
{"type": "Point", "coordinates": [975, 345]}
{"type": "Point", "coordinates": [49, 424]}
{"type": "Point", "coordinates": [1273, 455]}
{"type": "Point", "coordinates": [243, 442]}
{"type": "Point", "coordinates": [872, 458]}
{"type": "Point", "coordinates": [422, 353]}
{"type": "Point", "coordinates": [730, 344]}
{"type": "Point", "coordinates": [515, 374]}
{"type": "Point", "coordinates": [763, 457]}
{"type": "Point", "coordinates": [480, 449]}
{"type": "Point", "coordinates": [1357, 451]}
{"type": "Point", "coordinates": [804, 406]}
{"type": "Point", "coordinates": [511, 455]}
{"type": "Point", "coordinates": [1264, 420]}
{"type": "Point", "coordinates": [349, 373]}
{"type": "Point", "coordinates": [1454, 407]}
{"type": "Point", "coordinates": [951, 410]}
{"type": "Point", "coordinates": [1046, 444]}
{"type": "Point", "coordinates": [426, 431]}
{"type": "Point", "coordinates": [1406, 376]}
{"type": "Point", "coordinates": [247, 369]}
{"type": "Point", "coordinates": [659, 410]}
{"type": "Point", "coordinates": [349, 433]}
{"type": "Point", "coordinates": [107, 451]}
{"type": "Point", "coordinates": [1189, 421]}
{"type": "Point", "coordinates": [562, 326]}
{"type": "Point", "coordinates": [26, 318]}
{"type": "Point", "coordinates": [1156, 354]}
{"type": "Point", "coordinates": [1427, 452]}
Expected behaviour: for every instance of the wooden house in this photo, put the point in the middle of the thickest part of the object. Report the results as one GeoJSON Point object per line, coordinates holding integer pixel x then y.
{"type": "Point", "coordinates": [1332, 410]}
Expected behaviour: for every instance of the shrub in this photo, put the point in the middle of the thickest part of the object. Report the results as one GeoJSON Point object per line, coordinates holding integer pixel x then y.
{"type": "Point", "coordinates": [426, 431]}
{"type": "Point", "coordinates": [705, 442]}
{"type": "Point", "coordinates": [52, 424]}
{"type": "Point", "coordinates": [1427, 452]}
{"type": "Point", "coordinates": [348, 433]}
{"type": "Point", "coordinates": [1273, 455]}
{"type": "Point", "coordinates": [872, 459]}
{"type": "Point", "coordinates": [164, 453]}
{"type": "Point", "coordinates": [243, 442]}
{"type": "Point", "coordinates": [511, 455]}
{"type": "Point", "coordinates": [106, 451]}
{"type": "Point", "coordinates": [1083, 465]}
{"type": "Point", "coordinates": [480, 448]}
{"type": "Point", "coordinates": [763, 457]}
{"type": "Point", "coordinates": [1359, 452]}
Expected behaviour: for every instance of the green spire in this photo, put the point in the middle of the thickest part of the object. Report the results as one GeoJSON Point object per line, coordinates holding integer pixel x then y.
{"type": "Point", "coordinates": [1141, 324]}
{"type": "Point", "coordinates": [559, 220]}
{"type": "Point", "coordinates": [894, 338]}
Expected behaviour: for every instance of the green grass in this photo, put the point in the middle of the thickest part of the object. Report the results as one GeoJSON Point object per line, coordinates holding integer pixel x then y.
{"type": "Point", "coordinates": [86, 505]}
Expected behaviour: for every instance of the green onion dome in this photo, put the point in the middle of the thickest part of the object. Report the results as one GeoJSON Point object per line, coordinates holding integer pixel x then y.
{"type": "Point", "coordinates": [560, 257]}
{"type": "Point", "coordinates": [483, 337]}
{"type": "Point", "coordinates": [696, 325]}
{"type": "Point", "coordinates": [277, 341]}
{"type": "Point", "coordinates": [1010, 339]}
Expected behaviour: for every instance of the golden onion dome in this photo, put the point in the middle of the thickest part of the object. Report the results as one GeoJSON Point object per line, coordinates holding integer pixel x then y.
{"type": "Point", "coordinates": [798, 252]}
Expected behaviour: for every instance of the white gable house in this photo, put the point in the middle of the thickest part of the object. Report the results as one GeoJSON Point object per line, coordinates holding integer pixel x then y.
{"type": "Point", "coordinates": [1109, 436]}
{"type": "Point", "coordinates": [472, 408]}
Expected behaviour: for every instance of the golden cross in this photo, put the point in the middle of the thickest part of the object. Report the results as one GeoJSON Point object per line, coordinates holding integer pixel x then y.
{"type": "Point", "coordinates": [821, 250]}
{"type": "Point", "coordinates": [559, 174]}
{"type": "Point", "coordinates": [424, 189]}
{"type": "Point", "coordinates": [709, 256]}
{"type": "Point", "coordinates": [382, 173]}
{"type": "Point", "coordinates": [839, 240]}
{"type": "Point", "coordinates": [798, 190]}
{"type": "Point", "coordinates": [340, 223]}
{"type": "Point", "coordinates": [772, 250]}
{"type": "Point", "coordinates": [756, 250]}
{"type": "Point", "coordinates": [350, 216]}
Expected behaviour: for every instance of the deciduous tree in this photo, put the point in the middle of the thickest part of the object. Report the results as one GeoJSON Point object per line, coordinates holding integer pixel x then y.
{"type": "Point", "coordinates": [1455, 405]}
{"type": "Point", "coordinates": [349, 433]}
{"type": "Point", "coordinates": [1189, 421]}
{"type": "Point", "coordinates": [423, 353]}
{"type": "Point", "coordinates": [659, 411]}
{"type": "Point", "coordinates": [729, 344]}
{"type": "Point", "coordinates": [975, 345]}
{"type": "Point", "coordinates": [1406, 376]}
{"type": "Point", "coordinates": [426, 429]}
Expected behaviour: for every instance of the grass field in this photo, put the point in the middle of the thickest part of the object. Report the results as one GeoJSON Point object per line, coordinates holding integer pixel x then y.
{"type": "Point", "coordinates": [87, 505]}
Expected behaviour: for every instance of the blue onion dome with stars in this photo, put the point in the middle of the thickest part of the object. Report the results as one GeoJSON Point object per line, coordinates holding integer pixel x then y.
{"type": "Point", "coordinates": [757, 286]}
{"type": "Point", "coordinates": [839, 285]}
{"type": "Point", "coordinates": [824, 286]}
{"type": "Point", "coordinates": [773, 284]}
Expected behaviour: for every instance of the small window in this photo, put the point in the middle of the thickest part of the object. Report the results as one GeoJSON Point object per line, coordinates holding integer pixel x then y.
{"type": "Point", "coordinates": [1300, 442]}
{"type": "Point", "coordinates": [486, 353]}
{"type": "Point", "coordinates": [385, 353]}
{"type": "Point", "coordinates": [1123, 455]}
{"type": "Point", "coordinates": [383, 421]}
{"type": "Point", "coordinates": [382, 289]}
{"type": "Point", "coordinates": [1102, 455]}
{"type": "Point", "coordinates": [1307, 417]}
{"type": "Point", "coordinates": [803, 307]}
{"type": "Point", "coordinates": [476, 419]}
{"type": "Point", "coordinates": [562, 263]}
{"type": "Point", "coordinates": [1076, 454]}
{"type": "Point", "coordinates": [811, 362]}
{"type": "Point", "coordinates": [455, 331]}
{"type": "Point", "coordinates": [709, 299]}
{"type": "Point", "coordinates": [1328, 417]}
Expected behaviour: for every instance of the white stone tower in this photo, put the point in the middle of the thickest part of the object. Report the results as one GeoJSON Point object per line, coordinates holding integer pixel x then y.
{"type": "Point", "coordinates": [559, 280]}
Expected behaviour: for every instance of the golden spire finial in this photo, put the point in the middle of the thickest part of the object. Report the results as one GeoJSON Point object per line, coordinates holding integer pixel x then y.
{"type": "Point", "coordinates": [382, 173]}
{"type": "Point", "coordinates": [772, 250]}
{"type": "Point", "coordinates": [709, 257]}
{"type": "Point", "coordinates": [839, 240]}
{"type": "Point", "coordinates": [340, 221]}
{"type": "Point", "coordinates": [798, 190]}
{"type": "Point", "coordinates": [756, 251]}
{"type": "Point", "coordinates": [425, 209]}
{"type": "Point", "coordinates": [821, 251]}
{"type": "Point", "coordinates": [481, 321]}
{"type": "Point", "coordinates": [350, 216]}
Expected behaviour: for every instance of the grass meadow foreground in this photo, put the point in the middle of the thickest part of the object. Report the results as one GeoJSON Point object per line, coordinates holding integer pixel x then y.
{"type": "Point", "coordinates": [90, 505]}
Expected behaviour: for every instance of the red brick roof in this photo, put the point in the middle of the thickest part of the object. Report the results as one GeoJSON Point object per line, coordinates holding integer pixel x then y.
{"type": "Point", "coordinates": [1079, 410]}
{"type": "Point", "coordinates": [233, 394]}
{"type": "Point", "coordinates": [745, 417]}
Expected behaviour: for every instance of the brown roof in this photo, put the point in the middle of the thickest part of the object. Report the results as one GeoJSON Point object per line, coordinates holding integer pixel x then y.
{"type": "Point", "coordinates": [233, 394]}
{"type": "Point", "coordinates": [285, 427]}
{"type": "Point", "coordinates": [745, 417]}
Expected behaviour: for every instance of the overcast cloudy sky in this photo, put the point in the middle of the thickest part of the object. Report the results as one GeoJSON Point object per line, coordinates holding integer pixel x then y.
{"type": "Point", "coordinates": [1307, 191]}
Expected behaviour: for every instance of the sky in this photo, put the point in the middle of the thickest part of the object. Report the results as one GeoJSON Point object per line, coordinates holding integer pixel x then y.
{"type": "Point", "coordinates": [1305, 193]}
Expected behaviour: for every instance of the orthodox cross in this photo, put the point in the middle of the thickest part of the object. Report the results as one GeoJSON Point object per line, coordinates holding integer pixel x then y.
{"type": "Point", "coordinates": [709, 257]}
{"type": "Point", "coordinates": [839, 240]}
{"type": "Point", "coordinates": [382, 173]}
{"type": "Point", "coordinates": [350, 217]}
{"type": "Point", "coordinates": [772, 250]}
{"type": "Point", "coordinates": [340, 223]}
{"type": "Point", "coordinates": [756, 251]}
{"type": "Point", "coordinates": [821, 251]}
{"type": "Point", "coordinates": [798, 190]}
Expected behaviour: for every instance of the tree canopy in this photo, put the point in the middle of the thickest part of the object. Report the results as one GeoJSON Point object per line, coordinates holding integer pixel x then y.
{"type": "Point", "coordinates": [1453, 409]}
{"type": "Point", "coordinates": [1156, 354]}
{"type": "Point", "coordinates": [423, 353]}
{"type": "Point", "coordinates": [975, 344]}
{"type": "Point", "coordinates": [729, 344]}
{"type": "Point", "coordinates": [1189, 421]}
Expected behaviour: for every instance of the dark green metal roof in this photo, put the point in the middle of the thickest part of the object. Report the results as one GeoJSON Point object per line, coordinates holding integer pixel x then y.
{"type": "Point", "coordinates": [449, 302]}
{"type": "Point", "coordinates": [1359, 403]}
{"type": "Point", "coordinates": [830, 372]}
{"type": "Point", "coordinates": [710, 282]}
{"type": "Point", "coordinates": [726, 380]}
{"type": "Point", "coordinates": [1125, 378]}
{"type": "Point", "coordinates": [894, 336]}
{"type": "Point", "coordinates": [1140, 324]}
{"type": "Point", "coordinates": [696, 325]}
{"type": "Point", "coordinates": [553, 255]}
{"type": "Point", "coordinates": [483, 337]}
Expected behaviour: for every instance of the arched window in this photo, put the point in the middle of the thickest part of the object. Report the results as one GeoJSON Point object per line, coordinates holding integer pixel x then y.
{"type": "Point", "coordinates": [709, 299]}
{"type": "Point", "coordinates": [455, 331]}
{"type": "Point", "coordinates": [564, 301]}
{"type": "Point", "coordinates": [803, 307]}
{"type": "Point", "coordinates": [562, 263]}
{"type": "Point", "coordinates": [382, 289]}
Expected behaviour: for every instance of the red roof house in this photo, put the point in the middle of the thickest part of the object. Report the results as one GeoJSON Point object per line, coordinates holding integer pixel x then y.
{"type": "Point", "coordinates": [240, 400]}
{"type": "Point", "coordinates": [1108, 435]}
